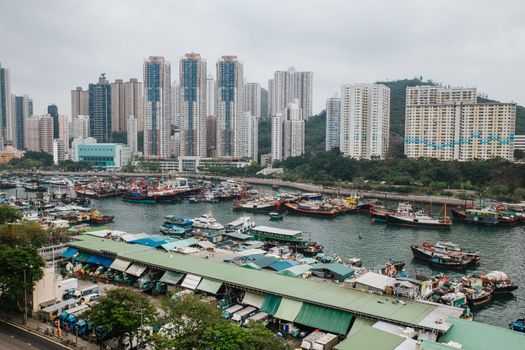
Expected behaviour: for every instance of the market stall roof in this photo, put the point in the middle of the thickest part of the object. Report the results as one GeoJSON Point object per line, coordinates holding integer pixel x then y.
{"type": "Point", "coordinates": [136, 270]}
{"type": "Point", "coordinates": [370, 338]}
{"type": "Point", "coordinates": [82, 257]}
{"type": "Point", "coordinates": [253, 299]}
{"type": "Point", "coordinates": [191, 281]}
{"type": "Point", "coordinates": [481, 336]}
{"type": "Point", "coordinates": [209, 286]}
{"type": "Point", "coordinates": [295, 271]}
{"type": "Point", "coordinates": [327, 319]}
{"type": "Point", "coordinates": [409, 313]}
{"type": "Point", "coordinates": [288, 309]}
{"type": "Point", "coordinates": [120, 265]}
{"type": "Point", "coordinates": [271, 304]}
{"type": "Point", "coordinates": [69, 253]}
{"type": "Point", "coordinates": [171, 277]}
{"type": "Point", "coordinates": [99, 260]}
{"type": "Point", "coordinates": [183, 243]}
{"type": "Point", "coordinates": [282, 265]}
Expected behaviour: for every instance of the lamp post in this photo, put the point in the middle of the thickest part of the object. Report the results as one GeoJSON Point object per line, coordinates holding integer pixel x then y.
{"type": "Point", "coordinates": [25, 293]}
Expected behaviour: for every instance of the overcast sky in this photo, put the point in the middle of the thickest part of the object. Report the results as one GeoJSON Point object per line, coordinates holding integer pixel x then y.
{"type": "Point", "coordinates": [53, 46]}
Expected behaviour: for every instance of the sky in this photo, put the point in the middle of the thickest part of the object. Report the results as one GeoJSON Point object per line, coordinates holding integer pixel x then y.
{"type": "Point", "coordinates": [52, 46]}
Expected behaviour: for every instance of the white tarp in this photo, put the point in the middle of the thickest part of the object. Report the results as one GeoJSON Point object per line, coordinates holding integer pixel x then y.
{"type": "Point", "coordinates": [119, 265]}
{"type": "Point", "coordinates": [136, 270]}
{"type": "Point", "coordinates": [191, 281]}
{"type": "Point", "coordinates": [253, 299]}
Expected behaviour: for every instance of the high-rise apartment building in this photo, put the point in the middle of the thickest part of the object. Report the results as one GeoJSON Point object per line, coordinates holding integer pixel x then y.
{"type": "Point", "coordinates": [211, 135]}
{"type": "Point", "coordinates": [6, 114]}
{"type": "Point", "coordinates": [286, 86]}
{"type": "Point", "coordinates": [288, 132]}
{"type": "Point", "coordinates": [175, 106]}
{"type": "Point", "coordinates": [249, 136]}
{"type": "Point", "coordinates": [79, 102]}
{"type": "Point", "coordinates": [210, 96]}
{"type": "Point", "coordinates": [52, 110]}
{"type": "Point", "coordinates": [229, 104]}
{"type": "Point", "coordinates": [23, 108]}
{"type": "Point", "coordinates": [333, 120]}
{"type": "Point", "coordinates": [192, 104]}
{"type": "Point", "coordinates": [39, 133]}
{"type": "Point", "coordinates": [100, 119]}
{"type": "Point", "coordinates": [132, 134]}
{"type": "Point", "coordinates": [157, 107]}
{"type": "Point", "coordinates": [80, 126]}
{"type": "Point", "coordinates": [59, 151]}
{"type": "Point", "coordinates": [365, 120]}
{"type": "Point", "coordinates": [126, 100]}
{"type": "Point", "coordinates": [252, 98]}
{"type": "Point", "coordinates": [449, 124]}
{"type": "Point", "coordinates": [63, 131]}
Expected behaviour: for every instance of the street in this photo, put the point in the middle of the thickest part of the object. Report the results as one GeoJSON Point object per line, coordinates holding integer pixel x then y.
{"type": "Point", "coordinates": [15, 338]}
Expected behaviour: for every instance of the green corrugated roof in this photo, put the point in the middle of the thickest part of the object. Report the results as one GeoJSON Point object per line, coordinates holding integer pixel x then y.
{"type": "Point", "coordinates": [481, 336]}
{"type": "Point", "coordinates": [359, 323]}
{"type": "Point", "coordinates": [171, 277]}
{"type": "Point", "coordinates": [271, 304]}
{"type": "Point", "coordinates": [288, 309]}
{"type": "Point", "coordinates": [326, 319]}
{"type": "Point", "coordinates": [370, 338]}
{"type": "Point", "coordinates": [430, 345]}
{"type": "Point", "coordinates": [209, 286]}
{"type": "Point", "coordinates": [323, 293]}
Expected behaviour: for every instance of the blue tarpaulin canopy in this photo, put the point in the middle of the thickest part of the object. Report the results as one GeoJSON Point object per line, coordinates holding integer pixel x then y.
{"type": "Point", "coordinates": [283, 264]}
{"type": "Point", "coordinates": [152, 241]}
{"type": "Point", "coordinates": [99, 260]}
{"type": "Point", "coordinates": [69, 252]}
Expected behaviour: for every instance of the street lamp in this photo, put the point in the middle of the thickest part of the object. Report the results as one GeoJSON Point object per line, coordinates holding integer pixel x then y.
{"type": "Point", "coordinates": [25, 292]}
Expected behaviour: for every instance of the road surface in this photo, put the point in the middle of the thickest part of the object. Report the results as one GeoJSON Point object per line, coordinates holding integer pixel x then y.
{"type": "Point", "coordinates": [16, 338]}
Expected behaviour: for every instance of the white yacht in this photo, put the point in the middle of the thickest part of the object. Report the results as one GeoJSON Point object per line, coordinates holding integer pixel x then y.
{"type": "Point", "coordinates": [207, 222]}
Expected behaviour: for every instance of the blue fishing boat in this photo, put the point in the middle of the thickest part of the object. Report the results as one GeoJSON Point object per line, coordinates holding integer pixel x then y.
{"type": "Point", "coordinates": [518, 325]}
{"type": "Point", "coordinates": [178, 220]}
{"type": "Point", "coordinates": [173, 230]}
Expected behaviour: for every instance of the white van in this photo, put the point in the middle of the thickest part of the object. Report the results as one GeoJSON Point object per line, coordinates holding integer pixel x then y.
{"type": "Point", "coordinates": [243, 314]}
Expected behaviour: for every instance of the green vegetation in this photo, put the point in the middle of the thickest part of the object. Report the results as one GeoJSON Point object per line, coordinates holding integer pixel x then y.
{"type": "Point", "coordinates": [122, 311]}
{"type": "Point", "coordinates": [497, 178]}
{"type": "Point", "coordinates": [265, 135]}
{"type": "Point", "coordinates": [250, 170]}
{"type": "Point", "coordinates": [120, 137]}
{"type": "Point", "coordinates": [19, 258]}
{"type": "Point", "coordinates": [32, 160]}
{"type": "Point", "coordinates": [197, 324]}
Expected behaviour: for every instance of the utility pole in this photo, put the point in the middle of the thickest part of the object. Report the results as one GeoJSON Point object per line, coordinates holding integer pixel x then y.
{"type": "Point", "coordinates": [25, 297]}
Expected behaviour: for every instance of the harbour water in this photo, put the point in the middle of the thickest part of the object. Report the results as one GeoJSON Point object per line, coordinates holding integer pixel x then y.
{"type": "Point", "coordinates": [354, 235]}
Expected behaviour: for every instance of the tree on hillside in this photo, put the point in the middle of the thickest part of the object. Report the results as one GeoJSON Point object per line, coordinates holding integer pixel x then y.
{"type": "Point", "coordinates": [9, 214]}
{"type": "Point", "coordinates": [122, 311]}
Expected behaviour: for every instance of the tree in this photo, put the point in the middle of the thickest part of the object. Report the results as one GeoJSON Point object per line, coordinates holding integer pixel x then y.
{"type": "Point", "coordinates": [122, 312]}
{"type": "Point", "coordinates": [196, 324]}
{"type": "Point", "coordinates": [17, 263]}
{"type": "Point", "coordinates": [26, 234]}
{"type": "Point", "coordinates": [9, 214]}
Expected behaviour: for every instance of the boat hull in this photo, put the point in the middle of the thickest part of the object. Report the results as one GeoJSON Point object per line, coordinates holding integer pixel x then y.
{"type": "Point", "coordinates": [310, 212]}
{"type": "Point", "coordinates": [397, 221]}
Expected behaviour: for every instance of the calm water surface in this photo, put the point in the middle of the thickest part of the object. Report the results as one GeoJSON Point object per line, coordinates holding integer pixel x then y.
{"type": "Point", "coordinates": [501, 249]}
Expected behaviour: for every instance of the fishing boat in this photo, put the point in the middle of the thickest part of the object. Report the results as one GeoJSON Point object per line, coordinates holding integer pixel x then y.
{"type": "Point", "coordinates": [275, 216]}
{"type": "Point", "coordinates": [178, 220]}
{"type": "Point", "coordinates": [34, 187]}
{"type": "Point", "coordinates": [484, 216]}
{"type": "Point", "coordinates": [499, 282]}
{"type": "Point", "coordinates": [518, 325]}
{"type": "Point", "coordinates": [445, 254]}
{"type": "Point", "coordinates": [419, 218]}
{"type": "Point", "coordinates": [477, 297]}
{"type": "Point", "coordinates": [207, 222]}
{"type": "Point", "coordinates": [173, 230]}
{"type": "Point", "coordinates": [262, 205]}
{"type": "Point", "coordinates": [163, 192]}
{"type": "Point", "coordinates": [311, 208]}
